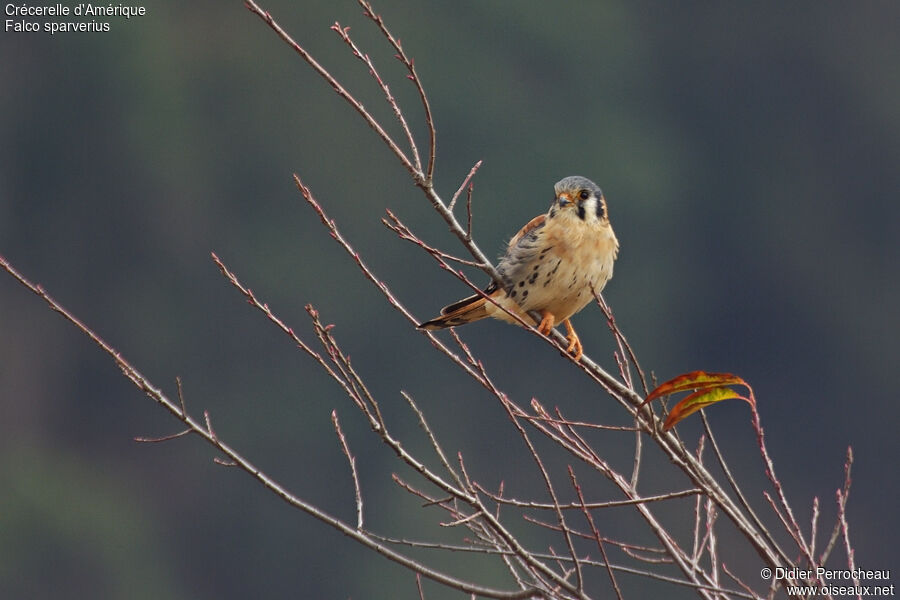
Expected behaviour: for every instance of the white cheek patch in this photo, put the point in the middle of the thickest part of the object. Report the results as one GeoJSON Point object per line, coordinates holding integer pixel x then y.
{"type": "Point", "coordinates": [588, 210]}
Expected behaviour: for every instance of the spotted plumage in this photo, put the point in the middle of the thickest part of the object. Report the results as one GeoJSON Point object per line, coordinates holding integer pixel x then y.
{"type": "Point", "coordinates": [550, 266]}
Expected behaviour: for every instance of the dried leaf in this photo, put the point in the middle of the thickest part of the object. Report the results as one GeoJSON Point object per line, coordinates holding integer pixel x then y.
{"type": "Point", "coordinates": [695, 380]}
{"type": "Point", "coordinates": [706, 388]}
{"type": "Point", "coordinates": [698, 400]}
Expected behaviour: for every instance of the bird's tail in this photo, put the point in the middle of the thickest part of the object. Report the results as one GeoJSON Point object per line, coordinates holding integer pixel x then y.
{"type": "Point", "coordinates": [459, 313]}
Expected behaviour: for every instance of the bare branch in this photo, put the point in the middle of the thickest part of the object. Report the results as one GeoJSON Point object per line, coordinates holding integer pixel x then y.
{"type": "Point", "coordinates": [792, 525]}
{"type": "Point", "coordinates": [565, 559]}
{"type": "Point", "coordinates": [842, 502]}
{"type": "Point", "coordinates": [181, 396]}
{"type": "Point", "coordinates": [814, 524]}
{"type": "Point", "coordinates": [711, 541]}
{"type": "Point", "coordinates": [235, 459]}
{"type": "Point", "coordinates": [743, 585]}
{"type": "Point", "coordinates": [590, 520]}
{"type": "Point", "coordinates": [431, 438]}
{"type": "Point", "coordinates": [845, 535]}
{"type": "Point", "coordinates": [464, 185]}
{"type": "Point", "coordinates": [403, 232]}
{"type": "Point", "coordinates": [344, 33]}
{"type": "Point", "coordinates": [335, 84]}
{"type": "Point", "coordinates": [419, 587]}
{"type": "Point", "coordinates": [414, 77]}
{"type": "Point", "coordinates": [350, 459]}
{"type": "Point", "coordinates": [737, 490]}
{"type": "Point", "coordinates": [164, 438]}
{"type": "Point", "coordinates": [591, 505]}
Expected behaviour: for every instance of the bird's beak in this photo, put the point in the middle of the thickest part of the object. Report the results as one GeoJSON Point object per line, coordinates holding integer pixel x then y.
{"type": "Point", "coordinates": [563, 200]}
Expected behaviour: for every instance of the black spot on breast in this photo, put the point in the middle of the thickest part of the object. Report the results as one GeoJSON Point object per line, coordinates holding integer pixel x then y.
{"type": "Point", "coordinates": [524, 294]}
{"type": "Point", "coordinates": [513, 293]}
{"type": "Point", "coordinates": [556, 267]}
{"type": "Point", "coordinates": [522, 283]}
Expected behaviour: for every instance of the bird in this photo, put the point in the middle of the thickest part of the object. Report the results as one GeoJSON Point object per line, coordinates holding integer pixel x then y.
{"type": "Point", "coordinates": [552, 266]}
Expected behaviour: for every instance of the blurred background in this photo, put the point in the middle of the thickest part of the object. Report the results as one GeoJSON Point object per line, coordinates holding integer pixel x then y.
{"type": "Point", "coordinates": [749, 153]}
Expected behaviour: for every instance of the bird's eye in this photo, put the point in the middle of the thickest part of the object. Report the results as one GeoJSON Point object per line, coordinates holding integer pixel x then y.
{"type": "Point", "coordinates": [584, 194]}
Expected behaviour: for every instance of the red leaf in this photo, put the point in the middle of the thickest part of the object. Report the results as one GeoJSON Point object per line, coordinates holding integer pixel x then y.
{"type": "Point", "coordinates": [706, 388]}
{"type": "Point", "coordinates": [695, 380]}
{"type": "Point", "coordinates": [698, 400]}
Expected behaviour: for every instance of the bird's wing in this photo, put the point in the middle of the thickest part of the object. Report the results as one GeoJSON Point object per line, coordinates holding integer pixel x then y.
{"type": "Point", "coordinates": [523, 248]}
{"type": "Point", "coordinates": [538, 221]}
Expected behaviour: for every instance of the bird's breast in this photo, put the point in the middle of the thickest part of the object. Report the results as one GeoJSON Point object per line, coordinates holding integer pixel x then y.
{"type": "Point", "coordinates": [560, 278]}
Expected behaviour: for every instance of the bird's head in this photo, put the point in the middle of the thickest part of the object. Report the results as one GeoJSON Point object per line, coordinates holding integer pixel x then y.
{"type": "Point", "coordinates": [579, 197]}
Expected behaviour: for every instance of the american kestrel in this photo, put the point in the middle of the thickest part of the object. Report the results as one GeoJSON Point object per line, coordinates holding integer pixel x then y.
{"type": "Point", "coordinates": [550, 266]}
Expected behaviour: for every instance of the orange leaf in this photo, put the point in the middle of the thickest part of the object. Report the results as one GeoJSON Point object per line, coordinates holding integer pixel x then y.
{"type": "Point", "coordinates": [695, 380]}
{"type": "Point", "coordinates": [698, 400]}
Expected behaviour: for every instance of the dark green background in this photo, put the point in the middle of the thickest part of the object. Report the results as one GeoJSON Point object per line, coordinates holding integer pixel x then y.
{"type": "Point", "coordinates": [749, 153]}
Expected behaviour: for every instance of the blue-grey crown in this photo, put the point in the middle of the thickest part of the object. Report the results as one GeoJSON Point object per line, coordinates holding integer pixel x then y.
{"type": "Point", "coordinates": [577, 182]}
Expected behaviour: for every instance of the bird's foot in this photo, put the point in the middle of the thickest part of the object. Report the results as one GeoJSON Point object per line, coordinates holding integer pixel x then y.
{"type": "Point", "coordinates": [574, 348]}
{"type": "Point", "coordinates": [547, 322]}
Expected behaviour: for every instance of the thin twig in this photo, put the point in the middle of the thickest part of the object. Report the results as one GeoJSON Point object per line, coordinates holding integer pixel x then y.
{"type": "Point", "coordinates": [431, 438]}
{"type": "Point", "coordinates": [845, 535]}
{"type": "Point", "coordinates": [562, 421]}
{"type": "Point", "coordinates": [591, 505]}
{"type": "Point", "coordinates": [463, 185]}
{"type": "Point", "coordinates": [164, 438]}
{"type": "Point", "coordinates": [419, 587]}
{"type": "Point", "coordinates": [469, 212]}
{"type": "Point", "coordinates": [350, 459]}
{"type": "Point", "coordinates": [595, 531]}
{"type": "Point", "coordinates": [344, 33]}
{"type": "Point", "coordinates": [180, 395]}
{"type": "Point", "coordinates": [814, 525]}
{"type": "Point", "coordinates": [711, 541]}
{"type": "Point", "coordinates": [414, 77]}
{"type": "Point", "coordinates": [698, 547]}
{"type": "Point", "coordinates": [336, 85]}
{"type": "Point", "coordinates": [760, 527]}
{"type": "Point", "coordinates": [793, 527]}
{"type": "Point", "coordinates": [738, 581]}
{"type": "Point", "coordinates": [394, 224]}
{"type": "Point", "coordinates": [620, 337]}
{"type": "Point", "coordinates": [842, 501]}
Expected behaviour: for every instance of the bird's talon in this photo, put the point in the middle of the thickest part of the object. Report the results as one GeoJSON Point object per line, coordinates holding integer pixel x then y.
{"type": "Point", "coordinates": [574, 348]}
{"type": "Point", "coordinates": [547, 322]}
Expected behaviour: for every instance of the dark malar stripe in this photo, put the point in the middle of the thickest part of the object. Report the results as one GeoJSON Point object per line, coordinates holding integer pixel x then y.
{"type": "Point", "coordinates": [581, 211]}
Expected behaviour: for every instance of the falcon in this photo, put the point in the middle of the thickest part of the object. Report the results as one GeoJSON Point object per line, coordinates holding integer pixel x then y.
{"type": "Point", "coordinates": [552, 266]}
